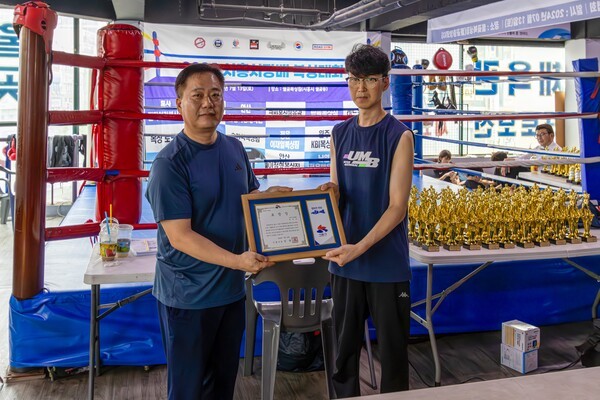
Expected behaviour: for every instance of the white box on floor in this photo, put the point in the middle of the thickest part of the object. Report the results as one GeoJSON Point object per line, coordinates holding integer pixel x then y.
{"type": "Point", "coordinates": [522, 362]}
{"type": "Point", "coordinates": [520, 335]}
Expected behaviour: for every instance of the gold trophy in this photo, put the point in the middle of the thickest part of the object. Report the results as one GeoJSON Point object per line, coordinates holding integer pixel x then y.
{"type": "Point", "coordinates": [413, 211]}
{"type": "Point", "coordinates": [557, 218]}
{"type": "Point", "coordinates": [507, 233]}
{"type": "Point", "coordinates": [471, 235]}
{"type": "Point", "coordinates": [489, 238]}
{"type": "Point", "coordinates": [525, 240]}
{"type": "Point", "coordinates": [420, 232]}
{"type": "Point", "coordinates": [577, 179]}
{"type": "Point", "coordinates": [573, 222]}
{"type": "Point", "coordinates": [572, 214]}
{"type": "Point", "coordinates": [430, 226]}
{"type": "Point", "coordinates": [541, 237]}
{"type": "Point", "coordinates": [524, 216]}
{"type": "Point", "coordinates": [450, 241]}
{"type": "Point", "coordinates": [586, 218]}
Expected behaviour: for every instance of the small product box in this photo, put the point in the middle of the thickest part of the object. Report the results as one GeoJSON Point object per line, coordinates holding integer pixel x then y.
{"type": "Point", "coordinates": [520, 361]}
{"type": "Point", "coordinates": [521, 336]}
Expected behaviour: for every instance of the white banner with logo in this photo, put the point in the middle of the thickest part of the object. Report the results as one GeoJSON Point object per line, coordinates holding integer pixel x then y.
{"type": "Point", "coordinates": [256, 92]}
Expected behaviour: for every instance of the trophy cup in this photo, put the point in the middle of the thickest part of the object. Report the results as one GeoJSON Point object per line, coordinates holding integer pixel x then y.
{"type": "Point", "coordinates": [557, 218]}
{"type": "Point", "coordinates": [525, 221]}
{"type": "Point", "coordinates": [524, 240]}
{"type": "Point", "coordinates": [503, 240]}
{"type": "Point", "coordinates": [573, 221]}
{"type": "Point", "coordinates": [471, 237]}
{"type": "Point", "coordinates": [577, 180]}
{"type": "Point", "coordinates": [450, 241]}
{"type": "Point", "coordinates": [470, 243]}
{"type": "Point", "coordinates": [430, 224]}
{"type": "Point", "coordinates": [544, 238]}
{"type": "Point", "coordinates": [491, 232]}
{"type": "Point", "coordinates": [571, 177]}
{"type": "Point", "coordinates": [412, 213]}
{"type": "Point", "coordinates": [505, 230]}
{"type": "Point", "coordinates": [420, 232]}
{"type": "Point", "coordinates": [586, 218]}
{"type": "Point", "coordinates": [559, 231]}
{"type": "Point", "coordinates": [412, 222]}
{"type": "Point", "coordinates": [555, 169]}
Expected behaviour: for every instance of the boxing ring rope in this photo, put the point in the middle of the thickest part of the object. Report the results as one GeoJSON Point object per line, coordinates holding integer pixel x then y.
{"type": "Point", "coordinates": [505, 163]}
{"type": "Point", "coordinates": [81, 117]}
{"type": "Point", "coordinates": [38, 45]}
{"type": "Point", "coordinates": [77, 60]}
{"type": "Point", "coordinates": [497, 146]}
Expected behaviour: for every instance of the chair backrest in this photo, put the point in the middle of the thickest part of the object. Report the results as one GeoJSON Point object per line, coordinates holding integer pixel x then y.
{"type": "Point", "coordinates": [6, 182]}
{"type": "Point", "coordinates": [301, 287]}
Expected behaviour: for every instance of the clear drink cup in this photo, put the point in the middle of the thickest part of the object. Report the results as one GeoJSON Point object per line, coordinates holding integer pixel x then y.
{"type": "Point", "coordinates": [109, 233]}
{"type": "Point", "coordinates": [124, 240]}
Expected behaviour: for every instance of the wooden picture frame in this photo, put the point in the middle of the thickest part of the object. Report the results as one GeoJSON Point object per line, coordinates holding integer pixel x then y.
{"type": "Point", "coordinates": [293, 225]}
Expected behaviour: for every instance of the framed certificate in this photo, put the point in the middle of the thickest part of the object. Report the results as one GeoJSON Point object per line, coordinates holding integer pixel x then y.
{"type": "Point", "coordinates": [292, 225]}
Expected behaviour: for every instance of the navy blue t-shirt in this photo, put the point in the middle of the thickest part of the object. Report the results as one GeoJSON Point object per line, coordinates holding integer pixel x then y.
{"type": "Point", "coordinates": [364, 158]}
{"type": "Point", "coordinates": [189, 180]}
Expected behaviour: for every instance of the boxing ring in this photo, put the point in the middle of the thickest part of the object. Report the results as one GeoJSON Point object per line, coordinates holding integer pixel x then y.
{"type": "Point", "coordinates": [50, 306]}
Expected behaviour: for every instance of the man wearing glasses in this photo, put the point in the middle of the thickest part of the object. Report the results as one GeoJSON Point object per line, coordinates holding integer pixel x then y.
{"type": "Point", "coordinates": [544, 133]}
{"type": "Point", "coordinates": [545, 137]}
{"type": "Point", "coordinates": [371, 172]}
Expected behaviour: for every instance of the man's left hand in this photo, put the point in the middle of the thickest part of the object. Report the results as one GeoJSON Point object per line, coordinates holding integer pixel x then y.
{"type": "Point", "coordinates": [344, 254]}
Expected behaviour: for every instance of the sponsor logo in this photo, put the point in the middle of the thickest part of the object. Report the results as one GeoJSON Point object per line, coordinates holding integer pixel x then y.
{"type": "Point", "coordinates": [298, 45]}
{"type": "Point", "coordinates": [361, 159]}
{"type": "Point", "coordinates": [238, 167]}
{"type": "Point", "coordinates": [276, 46]}
{"type": "Point", "coordinates": [254, 44]}
{"type": "Point", "coordinates": [199, 42]}
{"type": "Point", "coordinates": [218, 43]}
{"type": "Point", "coordinates": [322, 46]}
{"type": "Point", "coordinates": [403, 295]}
{"type": "Point", "coordinates": [236, 43]}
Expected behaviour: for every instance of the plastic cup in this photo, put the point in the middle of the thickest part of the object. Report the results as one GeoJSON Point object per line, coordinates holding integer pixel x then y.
{"type": "Point", "coordinates": [109, 232]}
{"type": "Point", "coordinates": [124, 240]}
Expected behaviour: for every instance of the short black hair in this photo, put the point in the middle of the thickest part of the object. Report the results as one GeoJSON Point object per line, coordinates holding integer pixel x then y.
{"type": "Point", "coordinates": [197, 69]}
{"type": "Point", "coordinates": [444, 154]}
{"type": "Point", "coordinates": [547, 127]}
{"type": "Point", "coordinates": [366, 59]}
{"type": "Point", "coordinates": [499, 156]}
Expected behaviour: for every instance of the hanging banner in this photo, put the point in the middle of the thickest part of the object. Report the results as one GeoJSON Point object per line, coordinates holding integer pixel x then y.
{"type": "Point", "coordinates": [256, 92]}
{"type": "Point", "coordinates": [508, 16]}
{"type": "Point", "coordinates": [9, 73]}
{"type": "Point", "coordinates": [554, 32]}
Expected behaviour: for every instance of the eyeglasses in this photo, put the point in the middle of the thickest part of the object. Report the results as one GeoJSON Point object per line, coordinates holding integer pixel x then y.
{"type": "Point", "coordinates": [539, 135]}
{"type": "Point", "coordinates": [369, 82]}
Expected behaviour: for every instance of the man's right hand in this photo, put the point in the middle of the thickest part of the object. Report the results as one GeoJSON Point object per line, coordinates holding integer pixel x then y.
{"type": "Point", "coordinates": [252, 262]}
{"type": "Point", "coordinates": [330, 185]}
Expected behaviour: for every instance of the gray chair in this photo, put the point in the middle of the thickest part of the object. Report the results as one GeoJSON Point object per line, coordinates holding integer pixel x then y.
{"type": "Point", "coordinates": [302, 309]}
{"type": "Point", "coordinates": [7, 198]}
{"type": "Point", "coordinates": [294, 313]}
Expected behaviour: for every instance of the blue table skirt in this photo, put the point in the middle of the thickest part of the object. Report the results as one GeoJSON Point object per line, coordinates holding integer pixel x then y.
{"type": "Point", "coordinates": [52, 329]}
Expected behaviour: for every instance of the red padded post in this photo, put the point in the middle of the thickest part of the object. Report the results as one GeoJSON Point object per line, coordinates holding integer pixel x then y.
{"type": "Point", "coordinates": [120, 140]}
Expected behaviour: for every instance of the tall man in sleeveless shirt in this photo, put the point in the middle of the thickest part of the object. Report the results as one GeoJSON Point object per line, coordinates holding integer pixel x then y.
{"type": "Point", "coordinates": [371, 169]}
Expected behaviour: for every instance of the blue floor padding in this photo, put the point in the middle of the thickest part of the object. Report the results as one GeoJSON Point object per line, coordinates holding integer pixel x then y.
{"type": "Point", "coordinates": [52, 329]}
